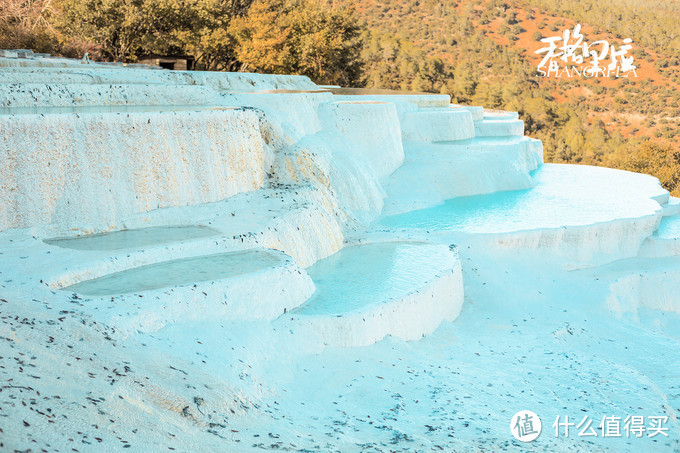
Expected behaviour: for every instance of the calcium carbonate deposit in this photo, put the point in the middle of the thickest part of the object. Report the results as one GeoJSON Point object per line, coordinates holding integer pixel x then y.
{"type": "Point", "coordinates": [205, 262]}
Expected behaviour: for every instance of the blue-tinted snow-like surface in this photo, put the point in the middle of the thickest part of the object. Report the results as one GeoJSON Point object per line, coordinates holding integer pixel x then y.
{"type": "Point", "coordinates": [139, 237]}
{"type": "Point", "coordinates": [669, 227]}
{"type": "Point", "coordinates": [362, 275]}
{"type": "Point", "coordinates": [178, 272]}
{"type": "Point", "coordinates": [564, 195]}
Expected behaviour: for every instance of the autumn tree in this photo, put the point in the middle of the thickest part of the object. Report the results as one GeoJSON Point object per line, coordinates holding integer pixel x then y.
{"type": "Point", "coordinates": [204, 33]}
{"type": "Point", "coordinates": [24, 24]}
{"type": "Point", "coordinates": [123, 30]}
{"type": "Point", "coordinates": [308, 37]}
{"type": "Point", "coordinates": [656, 158]}
{"type": "Point", "coordinates": [120, 28]}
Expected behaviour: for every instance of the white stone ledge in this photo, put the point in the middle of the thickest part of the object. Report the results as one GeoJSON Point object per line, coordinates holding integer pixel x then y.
{"type": "Point", "coordinates": [437, 125]}
{"type": "Point", "coordinates": [499, 128]}
{"type": "Point", "coordinates": [88, 171]}
{"type": "Point", "coordinates": [408, 314]}
{"type": "Point", "coordinates": [263, 294]}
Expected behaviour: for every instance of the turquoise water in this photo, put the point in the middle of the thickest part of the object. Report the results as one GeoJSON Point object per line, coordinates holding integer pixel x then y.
{"type": "Point", "coordinates": [178, 272]}
{"type": "Point", "coordinates": [139, 237]}
{"type": "Point", "coordinates": [363, 275]}
{"type": "Point", "coordinates": [564, 195]}
{"type": "Point", "coordinates": [669, 227]}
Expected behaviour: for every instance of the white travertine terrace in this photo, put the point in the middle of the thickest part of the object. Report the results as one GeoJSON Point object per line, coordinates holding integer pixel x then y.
{"type": "Point", "coordinates": [96, 148]}
{"type": "Point", "coordinates": [437, 125]}
{"type": "Point", "coordinates": [265, 161]}
{"type": "Point", "coordinates": [499, 128]}
{"type": "Point", "coordinates": [68, 171]}
{"type": "Point", "coordinates": [368, 291]}
{"type": "Point", "coordinates": [279, 217]}
{"type": "Point", "coordinates": [262, 161]}
{"type": "Point", "coordinates": [372, 128]}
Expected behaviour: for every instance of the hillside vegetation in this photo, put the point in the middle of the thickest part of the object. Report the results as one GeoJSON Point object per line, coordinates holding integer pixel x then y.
{"type": "Point", "coordinates": [482, 52]}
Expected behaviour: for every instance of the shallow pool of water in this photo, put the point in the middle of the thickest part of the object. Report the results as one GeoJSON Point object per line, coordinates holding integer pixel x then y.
{"type": "Point", "coordinates": [669, 227]}
{"type": "Point", "coordinates": [178, 272]}
{"type": "Point", "coordinates": [564, 195]}
{"type": "Point", "coordinates": [140, 237]}
{"type": "Point", "coordinates": [363, 275]}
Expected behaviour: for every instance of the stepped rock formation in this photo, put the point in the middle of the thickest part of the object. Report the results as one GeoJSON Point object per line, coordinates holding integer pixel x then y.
{"type": "Point", "coordinates": [234, 262]}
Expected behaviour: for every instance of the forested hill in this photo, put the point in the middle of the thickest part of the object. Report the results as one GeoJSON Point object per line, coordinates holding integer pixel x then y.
{"type": "Point", "coordinates": [483, 52]}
